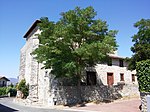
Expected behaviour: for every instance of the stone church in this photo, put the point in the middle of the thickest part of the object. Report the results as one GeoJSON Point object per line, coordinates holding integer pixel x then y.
{"type": "Point", "coordinates": [106, 81]}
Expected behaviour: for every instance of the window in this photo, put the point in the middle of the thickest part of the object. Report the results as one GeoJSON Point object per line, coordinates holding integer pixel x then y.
{"type": "Point", "coordinates": [3, 83]}
{"type": "Point", "coordinates": [121, 63]}
{"type": "Point", "coordinates": [133, 77]}
{"type": "Point", "coordinates": [121, 77]}
{"type": "Point", "coordinates": [91, 78]}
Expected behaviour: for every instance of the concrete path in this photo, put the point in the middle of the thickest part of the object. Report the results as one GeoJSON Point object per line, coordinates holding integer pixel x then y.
{"type": "Point", "coordinates": [131, 105]}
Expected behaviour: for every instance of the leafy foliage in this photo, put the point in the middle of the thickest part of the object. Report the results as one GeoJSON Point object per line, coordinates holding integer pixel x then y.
{"type": "Point", "coordinates": [141, 57]}
{"type": "Point", "coordinates": [11, 90]}
{"type": "Point", "coordinates": [3, 91]}
{"type": "Point", "coordinates": [143, 75]}
{"type": "Point", "coordinates": [23, 88]}
{"type": "Point", "coordinates": [141, 47]}
{"type": "Point", "coordinates": [76, 41]}
{"type": "Point", "coordinates": [6, 90]}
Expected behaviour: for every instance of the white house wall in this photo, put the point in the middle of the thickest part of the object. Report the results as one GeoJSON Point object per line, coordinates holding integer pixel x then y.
{"type": "Point", "coordinates": [103, 69]}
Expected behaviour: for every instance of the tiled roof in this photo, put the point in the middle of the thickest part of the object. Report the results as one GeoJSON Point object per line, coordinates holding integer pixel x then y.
{"type": "Point", "coordinates": [116, 56]}
{"type": "Point", "coordinates": [31, 28]}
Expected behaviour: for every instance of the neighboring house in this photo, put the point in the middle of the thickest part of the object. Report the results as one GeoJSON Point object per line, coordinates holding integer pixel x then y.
{"type": "Point", "coordinates": [3, 81]}
{"type": "Point", "coordinates": [105, 81]}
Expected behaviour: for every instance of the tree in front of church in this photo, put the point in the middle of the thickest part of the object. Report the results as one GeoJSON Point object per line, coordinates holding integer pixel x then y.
{"type": "Point", "coordinates": [76, 41]}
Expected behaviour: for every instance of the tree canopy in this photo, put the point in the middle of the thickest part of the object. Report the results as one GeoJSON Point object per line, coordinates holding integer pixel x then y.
{"type": "Point", "coordinates": [141, 47]}
{"type": "Point", "coordinates": [75, 42]}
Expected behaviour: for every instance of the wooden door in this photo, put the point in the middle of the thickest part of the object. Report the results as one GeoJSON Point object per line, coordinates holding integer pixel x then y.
{"type": "Point", "coordinates": [110, 79]}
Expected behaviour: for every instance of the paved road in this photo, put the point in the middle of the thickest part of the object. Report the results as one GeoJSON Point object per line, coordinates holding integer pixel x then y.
{"type": "Point", "coordinates": [7, 105]}
{"type": "Point", "coordinates": [130, 105]}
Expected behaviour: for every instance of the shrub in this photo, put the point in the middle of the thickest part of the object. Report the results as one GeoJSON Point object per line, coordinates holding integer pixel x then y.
{"type": "Point", "coordinates": [3, 91]}
{"type": "Point", "coordinates": [23, 88]}
{"type": "Point", "coordinates": [143, 75]}
{"type": "Point", "coordinates": [12, 91]}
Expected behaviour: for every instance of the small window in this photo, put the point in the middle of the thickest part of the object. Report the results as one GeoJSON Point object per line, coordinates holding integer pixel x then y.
{"type": "Point", "coordinates": [133, 77]}
{"type": "Point", "coordinates": [91, 78]}
{"type": "Point", "coordinates": [121, 63]}
{"type": "Point", "coordinates": [121, 77]}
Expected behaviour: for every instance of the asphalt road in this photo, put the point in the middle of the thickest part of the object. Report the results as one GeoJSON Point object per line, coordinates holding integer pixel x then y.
{"type": "Point", "coordinates": [130, 105]}
{"type": "Point", "coordinates": [7, 105]}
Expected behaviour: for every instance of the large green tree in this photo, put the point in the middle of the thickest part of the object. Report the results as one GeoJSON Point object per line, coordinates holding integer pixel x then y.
{"type": "Point", "coordinates": [140, 59]}
{"type": "Point", "coordinates": [141, 46]}
{"type": "Point", "coordinates": [75, 42]}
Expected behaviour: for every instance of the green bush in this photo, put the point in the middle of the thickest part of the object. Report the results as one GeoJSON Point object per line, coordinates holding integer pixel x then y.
{"type": "Point", "coordinates": [23, 88]}
{"type": "Point", "coordinates": [143, 75]}
{"type": "Point", "coordinates": [11, 90]}
{"type": "Point", "coordinates": [3, 91]}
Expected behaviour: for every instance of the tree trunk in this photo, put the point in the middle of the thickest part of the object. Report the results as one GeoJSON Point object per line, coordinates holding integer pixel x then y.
{"type": "Point", "coordinates": [79, 81]}
{"type": "Point", "coordinates": [79, 91]}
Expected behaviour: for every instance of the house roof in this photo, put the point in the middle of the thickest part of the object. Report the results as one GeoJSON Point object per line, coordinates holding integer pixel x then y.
{"type": "Point", "coordinates": [4, 78]}
{"type": "Point", "coordinates": [31, 28]}
{"type": "Point", "coordinates": [116, 56]}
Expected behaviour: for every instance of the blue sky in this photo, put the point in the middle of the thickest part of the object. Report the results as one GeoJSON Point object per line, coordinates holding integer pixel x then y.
{"type": "Point", "coordinates": [16, 16]}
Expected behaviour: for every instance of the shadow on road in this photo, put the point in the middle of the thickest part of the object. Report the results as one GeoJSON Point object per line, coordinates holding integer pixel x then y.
{"type": "Point", "coordinates": [4, 108]}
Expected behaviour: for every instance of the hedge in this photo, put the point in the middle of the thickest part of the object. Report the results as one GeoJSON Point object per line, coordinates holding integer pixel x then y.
{"type": "Point", "coordinates": [143, 75]}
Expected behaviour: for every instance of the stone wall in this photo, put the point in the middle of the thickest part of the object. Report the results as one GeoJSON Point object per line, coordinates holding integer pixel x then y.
{"type": "Point", "coordinates": [32, 71]}
{"type": "Point", "coordinates": [143, 96]}
{"type": "Point", "coordinates": [67, 95]}
{"type": "Point", "coordinates": [22, 66]}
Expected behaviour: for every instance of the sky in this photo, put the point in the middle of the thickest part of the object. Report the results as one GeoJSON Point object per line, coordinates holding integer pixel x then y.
{"type": "Point", "coordinates": [16, 17]}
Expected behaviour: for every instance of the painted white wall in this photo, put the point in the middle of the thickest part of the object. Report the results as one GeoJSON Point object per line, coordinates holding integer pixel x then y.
{"type": "Point", "coordinates": [103, 69]}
